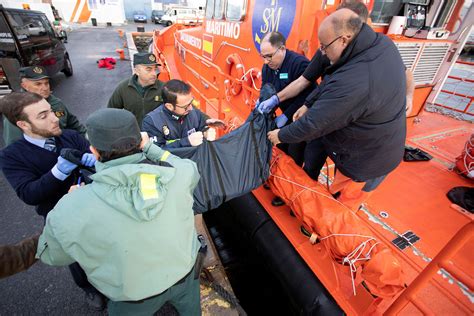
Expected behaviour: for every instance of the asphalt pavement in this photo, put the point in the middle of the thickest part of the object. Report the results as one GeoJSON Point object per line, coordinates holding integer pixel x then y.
{"type": "Point", "coordinates": [44, 289]}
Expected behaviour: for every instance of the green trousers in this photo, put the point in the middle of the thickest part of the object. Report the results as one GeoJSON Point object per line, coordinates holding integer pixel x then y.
{"type": "Point", "coordinates": [185, 297]}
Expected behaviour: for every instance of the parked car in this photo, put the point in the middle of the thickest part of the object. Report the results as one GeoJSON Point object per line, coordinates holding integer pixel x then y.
{"type": "Point", "coordinates": [156, 16]}
{"type": "Point", "coordinates": [27, 38]}
{"type": "Point", "coordinates": [139, 16]}
{"type": "Point", "coordinates": [184, 15]}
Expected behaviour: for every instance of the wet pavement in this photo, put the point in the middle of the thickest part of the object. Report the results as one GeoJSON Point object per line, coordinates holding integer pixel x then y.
{"type": "Point", "coordinates": [43, 289]}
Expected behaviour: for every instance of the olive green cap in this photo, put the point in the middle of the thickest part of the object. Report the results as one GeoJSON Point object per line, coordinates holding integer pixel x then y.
{"type": "Point", "coordinates": [113, 130]}
{"type": "Point", "coordinates": [144, 59]}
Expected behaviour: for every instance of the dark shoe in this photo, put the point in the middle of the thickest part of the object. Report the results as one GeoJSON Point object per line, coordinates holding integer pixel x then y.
{"type": "Point", "coordinates": [95, 301]}
{"type": "Point", "coordinates": [277, 201]}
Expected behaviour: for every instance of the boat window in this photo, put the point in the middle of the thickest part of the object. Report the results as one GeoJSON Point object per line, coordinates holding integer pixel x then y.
{"type": "Point", "coordinates": [210, 9]}
{"type": "Point", "coordinates": [235, 9]}
{"type": "Point", "coordinates": [219, 9]}
{"type": "Point", "coordinates": [384, 10]}
{"type": "Point", "coordinates": [445, 13]}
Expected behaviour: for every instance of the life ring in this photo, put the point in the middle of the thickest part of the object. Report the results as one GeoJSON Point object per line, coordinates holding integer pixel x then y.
{"type": "Point", "coordinates": [234, 61]}
{"type": "Point", "coordinates": [253, 80]}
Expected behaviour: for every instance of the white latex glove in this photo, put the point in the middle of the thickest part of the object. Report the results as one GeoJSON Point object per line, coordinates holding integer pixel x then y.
{"type": "Point", "coordinates": [195, 139]}
{"type": "Point", "coordinates": [210, 134]}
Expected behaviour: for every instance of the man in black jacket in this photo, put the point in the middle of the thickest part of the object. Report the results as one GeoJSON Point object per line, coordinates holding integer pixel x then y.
{"type": "Point", "coordinates": [358, 113]}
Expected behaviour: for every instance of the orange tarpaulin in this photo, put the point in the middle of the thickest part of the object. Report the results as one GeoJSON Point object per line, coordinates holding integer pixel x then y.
{"type": "Point", "coordinates": [346, 237]}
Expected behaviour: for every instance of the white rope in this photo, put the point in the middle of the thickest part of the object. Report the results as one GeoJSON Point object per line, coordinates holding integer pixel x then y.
{"type": "Point", "coordinates": [251, 77]}
{"type": "Point", "coordinates": [356, 254]}
{"type": "Point", "coordinates": [302, 186]}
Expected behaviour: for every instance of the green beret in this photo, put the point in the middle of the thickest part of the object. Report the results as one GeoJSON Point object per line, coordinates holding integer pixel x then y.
{"type": "Point", "coordinates": [113, 130]}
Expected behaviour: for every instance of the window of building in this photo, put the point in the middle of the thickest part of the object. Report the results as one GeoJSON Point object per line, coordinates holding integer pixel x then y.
{"type": "Point", "coordinates": [210, 9]}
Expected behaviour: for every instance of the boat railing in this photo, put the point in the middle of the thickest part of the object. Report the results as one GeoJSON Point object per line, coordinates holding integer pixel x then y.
{"type": "Point", "coordinates": [441, 262]}
{"type": "Point", "coordinates": [212, 77]}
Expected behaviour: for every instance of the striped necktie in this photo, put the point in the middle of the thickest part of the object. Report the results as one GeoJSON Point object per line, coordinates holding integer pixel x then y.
{"type": "Point", "coordinates": [50, 144]}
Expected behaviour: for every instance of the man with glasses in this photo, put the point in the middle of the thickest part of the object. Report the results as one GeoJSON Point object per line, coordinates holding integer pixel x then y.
{"type": "Point", "coordinates": [359, 112]}
{"type": "Point", "coordinates": [176, 123]}
{"type": "Point", "coordinates": [281, 67]}
{"type": "Point", "coordinates": [141, 93]}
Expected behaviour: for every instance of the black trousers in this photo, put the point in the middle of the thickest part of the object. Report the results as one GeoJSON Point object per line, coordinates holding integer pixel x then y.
{"type": "Point", "coordinates": [311, 155]}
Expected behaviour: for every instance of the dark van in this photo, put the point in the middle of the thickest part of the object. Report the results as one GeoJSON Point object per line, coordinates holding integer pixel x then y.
{"type": "Point", "coordinates": [27, 38]}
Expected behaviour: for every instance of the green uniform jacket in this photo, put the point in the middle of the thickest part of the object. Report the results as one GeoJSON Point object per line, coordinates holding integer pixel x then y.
{"type": "Point", "coordinates": [132, 229]}
{"type": "Point", "coordinates": [126, 96]}
{"type": "Point", "coordinates": [67, 120]}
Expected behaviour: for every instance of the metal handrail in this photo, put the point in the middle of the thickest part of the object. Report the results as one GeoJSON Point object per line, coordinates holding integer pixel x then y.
{"type": "Point", "coordinates": [441, 261]}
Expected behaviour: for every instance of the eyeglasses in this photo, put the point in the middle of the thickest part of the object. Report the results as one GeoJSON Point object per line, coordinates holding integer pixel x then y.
{"type": "Point", "coordinates": [184, 107]}
{"type": "Point", "coordinates": [270, 56]}
{"type": "Point", "coordinates": [323, 47]}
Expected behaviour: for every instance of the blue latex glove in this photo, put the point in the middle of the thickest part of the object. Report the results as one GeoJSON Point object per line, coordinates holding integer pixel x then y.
{"type": "Point", "coordinates": [65, 166]}
{"type": "Point", "coordinates": [88, 160]}
{"type": "Point", "coordinates": [281, 120]}
{"type": "Point", "coordinates": [268, 105]}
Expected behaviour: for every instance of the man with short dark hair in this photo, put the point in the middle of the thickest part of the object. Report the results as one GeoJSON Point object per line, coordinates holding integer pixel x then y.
{"type": "Point", "coordinates": [33, 166]}
{"type": "Point", "coordinates": [281, 67]}
{"type": "Point", "coordinates": [36, 80]}
{"type": "Point", "coordinates": [176, 123]}
{"type": "Point", "coordinates": [141, 93]}
{"type": "Point", "coordinates": [132, 229]}
{"type": "Point", "coordinates": [359, 116]}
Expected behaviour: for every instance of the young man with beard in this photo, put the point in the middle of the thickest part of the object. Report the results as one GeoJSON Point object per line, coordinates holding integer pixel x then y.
{"type": "Point", "coordinates": [34, 168]}
{"type": "Point", "coordinates": [35, 79]}
{"type": "Point", "coordinates": [177, 123]}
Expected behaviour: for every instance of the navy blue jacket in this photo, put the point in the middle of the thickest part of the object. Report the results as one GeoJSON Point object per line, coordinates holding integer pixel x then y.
{"type": "Point", "coordinates": [291, 68]}
{"type": "Point", "coordinates": [360, 109]}
{"type": "Point", "coordinates": [168, 130]}
{"type": "Point", "coordinates": [27, 168]}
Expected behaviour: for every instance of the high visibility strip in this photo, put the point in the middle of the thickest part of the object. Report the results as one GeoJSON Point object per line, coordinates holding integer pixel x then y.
{"type": "Point", "coordinates": [165, 156]}
{"type": "Point", "coordinates": [73, 15]}
{"type": "Point", "coordinates": [172, 141]}
{"type": "Point", "coordinates": [148, 186]}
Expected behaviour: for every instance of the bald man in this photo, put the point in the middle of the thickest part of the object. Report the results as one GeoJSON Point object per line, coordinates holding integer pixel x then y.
{"type": "Point", "coordinates": [359, 112]}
